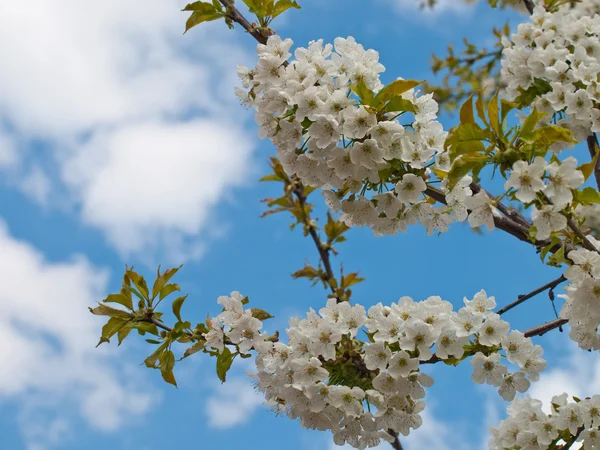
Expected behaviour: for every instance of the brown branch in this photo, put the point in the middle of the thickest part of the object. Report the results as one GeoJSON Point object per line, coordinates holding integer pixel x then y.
{"type": "Point", "coordinates": [523, 298]}
{"type": "Point", "coordinates": [592, 143]}
{"type": "Point", "coordinates": [529, 5]}
{"type": "Point", "coordinates": [234, 14]}
{"type": "Point", "coordinates": [545, 327]}
{"type": "Point", "coordinates": [323, 249]}
{"type": "Point", "coordinates": [396, 444]}
{"type": "Point", "coordinates": [585, 242]}
{"type": "Point", "coordinates": [506, 224]}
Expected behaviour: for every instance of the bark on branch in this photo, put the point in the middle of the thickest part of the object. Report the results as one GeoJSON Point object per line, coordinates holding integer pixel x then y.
{"type": "Point", "coordinates": [525, 297]}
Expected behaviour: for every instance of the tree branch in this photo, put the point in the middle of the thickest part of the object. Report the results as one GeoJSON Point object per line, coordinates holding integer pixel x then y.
{"type": "Point", "coordinates": [234, 14]}
{"type": "Point", "coordinates": [396, 444]}
{"type": "Point", "coordinates": [523, 298]}
{"type": "Point", "coordinates": [545, 327]}
{"type": "Point", "coordinates": [585, 242]}
{"type": "Point", "coordinates": [298, 190]}
{"type": "Point", "coordinates": [592, 143]}
{"type": "Point", "coordinates": [506, 224]}
{"type": "Point", "coordinates": [529, 5]}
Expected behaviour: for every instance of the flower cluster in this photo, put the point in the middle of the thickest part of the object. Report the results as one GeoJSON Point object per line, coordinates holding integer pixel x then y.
{"type": "Point", "coordinates": [329, 379]}
{"type": "Point", "coordinates": [556, 181]}
{"type": "Point", "coordinates": [555, 59]}
{"type": "Point", "coordinates": [583, 296]}
{"type": "Point", "coordinates": [319, 112]}
{"type": "Point", "coordinates": [528, 427]}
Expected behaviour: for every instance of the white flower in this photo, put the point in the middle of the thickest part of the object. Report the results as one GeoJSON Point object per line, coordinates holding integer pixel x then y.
{"type": "Point", "coordinates": [367, 154]}
{"type": "Point", "coordinates": [377, 355]}
{"type": "Point", "coordinates": [481, 303]}
{"type": "Point", "coordinates": [357, 122]}
{"type": "Point", "coordinates": [246, 332]}
{"type": "Point", "coordinates": [418, 336]}
{"type": "Point", "coordinates": [467, 322]}
{"type": "Point", "coordinates": [527, 179]}
{"type": "Point", "coordinates": [493, 330]}
{"type": "Point", "coordinates": [547, 220]}
{"type": "Point", "coordinates": [325, 130]}
{"type": "Point", "coordinates": [401, 365]}
{"type": "Point", "coordinates": [308, 372]}
{"type": "Point", "coordinates": [512, 384]}
{"type": "Point", "coordinates": [215, 336]}
{"type": "Point", "coordinates": [482, 211]}
{"type": "Point", "coordinates": [561, 179]}
{"type": "Point", "coordinates": [488, 369]}
{"type": "Point", "coordinates": [449, 344]}
{"type": "Point", "coordinates": [586, 264]}
{"type": "Point", "coordinates": [348, 400]}
{"type": "Point", "coordinates": [410, 188]}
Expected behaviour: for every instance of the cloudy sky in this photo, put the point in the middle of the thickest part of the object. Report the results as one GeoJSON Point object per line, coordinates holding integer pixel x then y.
{"type": "Point", "coordinates": [121, 142]}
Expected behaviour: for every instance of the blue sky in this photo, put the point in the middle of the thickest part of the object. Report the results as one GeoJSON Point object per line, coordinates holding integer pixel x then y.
{"type": "Point", "coordinates": [121, 142]}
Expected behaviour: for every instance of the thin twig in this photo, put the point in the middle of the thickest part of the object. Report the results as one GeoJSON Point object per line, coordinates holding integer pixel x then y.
{"type": "Point", "coordinates": [523, 298]}
{"type": "Point", "coordinates": [545, 327]}
{"type": "Point", "coordinates": [585, 242]}
{"type": "Point", "coordinates": [321, 248]}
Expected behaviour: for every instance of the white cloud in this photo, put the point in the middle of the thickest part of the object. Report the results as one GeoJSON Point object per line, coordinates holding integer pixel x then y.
{"type": "Point", "coordinates": [233, 403]}
{"type": "Point", "coordinates": [36, 185]}
{"type": "Point", "coordinates": [154, 109]}
{"type": "Point", "coordinates": [47, 338]}
{"type": "Point", "coordinates": [578, 374]}
{"type": "Point", "coordinates": [442, 6]}
{"type": "Point", "coordinates": [157, 182]}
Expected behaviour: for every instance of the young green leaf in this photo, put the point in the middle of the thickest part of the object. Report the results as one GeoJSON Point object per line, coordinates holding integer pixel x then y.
{"type": "Point", "coordinates": [177, 303]}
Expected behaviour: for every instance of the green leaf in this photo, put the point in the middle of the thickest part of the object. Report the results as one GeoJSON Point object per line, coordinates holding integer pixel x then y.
{"type": "Point", "coordinates": [105, 310]}
{"type": "Point", "coordinates": [152, 341]}
{"type": "Point", "coordinates": [177, 306]}
{"type": "Point", "coordinates": [111, 328]}
{"type": "Point", "coordinates": [167, 362]}
{"type": "Point", "coordinates": [365, 94]}
{"type": "Point", "coordinates": [479, 107]}
{"type": "Point", "coordinates": [470, 162]}
{"type": "Point", "coordinates": [193, 349]}
{"type": "Point", "coordinates": [202, 12]}
{"type": "Point", "coordinates": [271, 177]}
{"type": "Point", "coordinates": [152, 360]}
{"type": "Point", "coordinates": [505, 108]}
{"type": "Point", "coordinates": [558, 258]}
{"type": "Point", "coordinates": [167, 290]}
{"type": "Point", "coordinates": [537, 88]}
{"type": "Point", "coordinates": [260, 314]}
{"type": "Point", "coordinates": [588, 168]}
{"type": "Point", "coordinates": [493, 114]}
{"type": "Point", "coordinates": [465, 138]}
{"type": "Point", "coordinates": [139, 282]}
{"type": "Point", "coordinates": [397, 104]}
{"type": "Point", "coordinates": [589, 195]}
{"type": "Point", "coordinates": [394, 89]}
{"type": "Point", "coordinates": [282, 6]}
{"type": "Point", "coordinates": [307, 272]}
{"type": "Point", "coordinates": [527, 130]}
{"type": "Point", "coordinates": [124, 332]}
{"type": "Point", "coordinates": [146, 327]}
{"type": "Point", "coordinates": [351, 279]}
{"type": "Point", "coordinates": [162, 279]}
{"type": "Point", "coordinates": [121, 299]}
{"type": "Point", "coordinates": [224, 361]}
{"type": "Point", "coordinates": [466, 111]}
{"type": "Point", "coordinates": [544, 137]}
